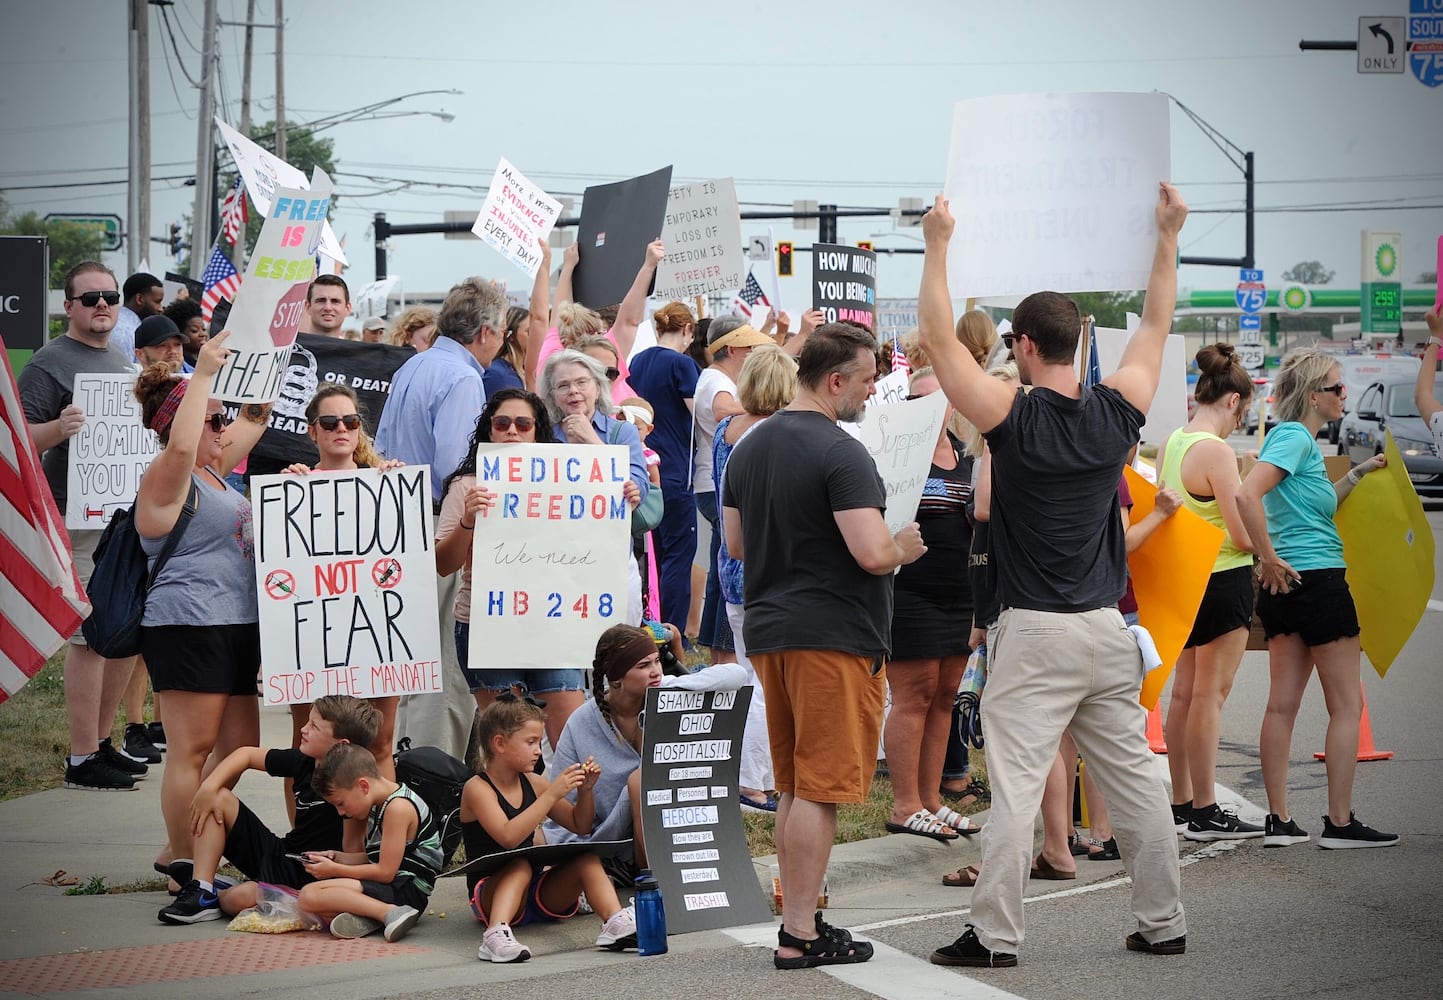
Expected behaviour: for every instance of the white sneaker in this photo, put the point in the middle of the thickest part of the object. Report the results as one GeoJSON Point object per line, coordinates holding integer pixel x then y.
{"type": "Point", "coordinates": [352, 925]}
{"type": "Point", "coordinates": [399, 920]}
{"type": "Point", "coordinates": [619, 932]}
{"type": "Point", "coordinates": [498, 944]}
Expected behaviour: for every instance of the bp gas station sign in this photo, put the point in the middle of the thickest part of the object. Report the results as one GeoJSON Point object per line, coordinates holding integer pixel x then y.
{"type": "Point", "coordinates": [1381, 302]}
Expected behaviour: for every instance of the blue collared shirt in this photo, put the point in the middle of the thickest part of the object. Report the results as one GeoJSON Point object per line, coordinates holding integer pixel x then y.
{"type": "Point", "coordinates": [432, 409]}
{"type": "Point", "coordinates": [613, 431]}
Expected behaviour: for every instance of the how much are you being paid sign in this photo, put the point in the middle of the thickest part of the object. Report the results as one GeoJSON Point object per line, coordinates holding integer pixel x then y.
{"type": "Point", "coordinates": [346, 570]}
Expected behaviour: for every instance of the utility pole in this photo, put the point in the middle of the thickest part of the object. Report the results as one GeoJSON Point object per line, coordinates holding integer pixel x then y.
{"type": "Point", "coordinates": [238, 251]}
{"type": "Point", "coordinates": [138, 209]}
{"type": "Point", "coordinates": [280, 80]}
{"type": "Point", "coordinates": [204, 149]}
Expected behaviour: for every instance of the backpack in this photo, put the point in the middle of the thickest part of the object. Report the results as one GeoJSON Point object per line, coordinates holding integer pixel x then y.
{"type": "Point", "coordinates": [121, 581]}
{"type": "Point", "coordinates": [438, 778]}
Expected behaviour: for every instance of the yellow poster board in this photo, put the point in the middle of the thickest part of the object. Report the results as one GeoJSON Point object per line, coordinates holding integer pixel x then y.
{"type": "Point", "coordinates": [1388, 546]}
{"type": "Point", "coordinates": [1169, 576]}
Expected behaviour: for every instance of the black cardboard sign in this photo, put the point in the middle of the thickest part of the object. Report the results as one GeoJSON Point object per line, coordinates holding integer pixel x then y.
{"type": "Point", "coordinates": [844, 284]}
{"type": "Point", "coordinates": [617, 222]}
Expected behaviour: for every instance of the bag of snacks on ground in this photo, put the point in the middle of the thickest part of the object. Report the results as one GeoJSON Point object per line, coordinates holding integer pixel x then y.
{"type": "Point", "coordinates": [276, 912]}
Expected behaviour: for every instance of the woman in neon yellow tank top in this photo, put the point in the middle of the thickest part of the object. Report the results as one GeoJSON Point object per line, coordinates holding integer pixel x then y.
{"type": "Point", "coordinates": [1201, 465]}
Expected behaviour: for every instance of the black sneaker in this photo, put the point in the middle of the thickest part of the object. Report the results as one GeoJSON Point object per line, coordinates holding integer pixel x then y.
{"type": "Point", "coordinates": [1214, 823]}
{"type": "Point", "coordinates": [193, 905]}
{"type": "Point", "coordinates": [157, 736]}
{"type": "Point", "coordinates": [1181, 815]}
{"type": "Point", "coordinates": [969, 951]}
{"type": "Point", "coordinates": [95, 775]}
{"type": "Point", "coordinates": [1355, 834]}
{"type": "Point", "coordinates": [119, 761]}
{"type": "Point", "coordinates": [1282, 833]}
{"type": "Point", "coordinates": [137, 745]}
{"type": "Point", "coordinates": [1172, 946]}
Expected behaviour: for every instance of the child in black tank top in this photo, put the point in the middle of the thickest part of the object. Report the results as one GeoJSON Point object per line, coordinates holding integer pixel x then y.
{"type": "Point", "coordinates": [501, 809]}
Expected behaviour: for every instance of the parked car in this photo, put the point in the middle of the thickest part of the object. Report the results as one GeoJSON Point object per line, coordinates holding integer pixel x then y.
{"type": "Point", "coordinates": [1361, 371]}
{"type": "Point", "coordinates": [1388, 406]}
{"type": "Point", "coordinates": [1262, 400]}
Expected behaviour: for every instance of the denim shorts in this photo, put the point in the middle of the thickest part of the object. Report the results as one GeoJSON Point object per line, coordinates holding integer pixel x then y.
{"type": "Point", "coordinates": [532, 681]}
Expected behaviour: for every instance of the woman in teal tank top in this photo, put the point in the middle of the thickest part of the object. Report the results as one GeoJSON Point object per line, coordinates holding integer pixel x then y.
{"type": "Point", "coordinates": [1199, 463]}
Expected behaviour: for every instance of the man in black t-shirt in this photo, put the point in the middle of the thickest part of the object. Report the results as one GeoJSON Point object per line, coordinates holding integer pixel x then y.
{"type": "Point", "coordinates": [803, 507]}
{"type": "Point", "coordinates": [1060, 654]}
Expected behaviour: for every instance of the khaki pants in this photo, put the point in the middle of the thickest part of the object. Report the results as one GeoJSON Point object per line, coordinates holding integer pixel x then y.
{"type": "Point", "coordinates": [1048, 672]}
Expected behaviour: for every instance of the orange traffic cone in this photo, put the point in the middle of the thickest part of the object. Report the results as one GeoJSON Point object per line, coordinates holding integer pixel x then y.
{"type": "Point", "coordinates": [1155, 740]}
{"type": "Point", "coordinates": [1366, 749]}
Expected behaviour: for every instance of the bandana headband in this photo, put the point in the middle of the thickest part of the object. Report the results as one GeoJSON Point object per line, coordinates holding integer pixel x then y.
{"type": "Point", "coordinates": [625, 657]}
{"type": "Point", "coordinates": [166, 413]}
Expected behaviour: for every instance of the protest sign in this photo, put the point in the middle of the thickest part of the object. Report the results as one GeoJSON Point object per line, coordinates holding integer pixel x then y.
{"type": "Point", "coordinates": [516, 218]}
{"type": "Point", "coordinates": [703, 237]}
{"type": "Point", "coordinates": [901, 439]}
{"type": "Point", "coordinates": [844, 284]}
{"type": "Point", "coordinates": [315, 360]}
{"type": "Point", "coordinates": [617, 222]}
{"type": "Point", "coordinates": [548, 558]}
{"type": "Point", "coordinates": [264, 172]}
{"type": "Point", "coordinates": [346, 571]}
{"type": "Point", "coordinates": [542, 856]}
{"type": "Point", "coordinates": [891, 388]}
{"type": "Point", "coordinates": [691, 813]}
{"type": "Point", "coordinates": [1388, 547]}
{"type": "Point", "coordinates": [1170, 573]}
{"type": "Point", "coordinates": [1168, 411]}
{"type": "Point", "coordinates": [268, 309]}
{"type": "Point", "coordinates": [109, 453]}
{"type": "Point", "coordinates": [1055, 191]}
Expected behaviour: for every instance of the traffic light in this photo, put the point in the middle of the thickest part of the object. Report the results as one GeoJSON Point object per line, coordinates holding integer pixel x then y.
{"type": "Point", "coordinates": [784, 258]}
{"type": "Point", "coordinates": [175, 239]}
{"type": "Point", "coordinates": [864, 244]}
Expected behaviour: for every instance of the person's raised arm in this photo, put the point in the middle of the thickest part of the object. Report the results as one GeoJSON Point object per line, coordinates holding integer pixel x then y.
{"type": "Point", "coordinates": [1423, 396]}
{"type": "Point", "coordinates": [1140, 369]}
{"type": "Point", "coordinates": [241, 436]}
{"type": "Point", "coordinates": [538, 315]}
{"type": "Point", "coordinates": [980, 398]}
{"type": "Point", "coordinates": [633, 308]}
{"type": "Point", "coordinates": [570, 257]}
{"type": "Point", "coordinates": [875, 549]}
{"type": "Point", "coordinates": [811, 319]}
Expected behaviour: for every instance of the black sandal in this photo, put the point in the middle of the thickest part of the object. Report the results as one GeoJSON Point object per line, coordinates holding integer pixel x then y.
{"type": "Point", "coordinates": [833, 946]}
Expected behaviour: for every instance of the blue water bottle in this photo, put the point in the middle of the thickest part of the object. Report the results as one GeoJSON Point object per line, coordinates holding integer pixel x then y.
{"type": "Point", "coordinates": [650, 916]}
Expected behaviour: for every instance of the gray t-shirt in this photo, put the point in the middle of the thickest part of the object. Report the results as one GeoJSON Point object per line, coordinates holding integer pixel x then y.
{"type": "Point", "coordinates": [47, 383]}
{"type": "Point", "coordinates": [803, 589]}
{"type": "Point", "coordinates": [210, 578]}
{"type": "Point", "coordinates": [1056, 532]}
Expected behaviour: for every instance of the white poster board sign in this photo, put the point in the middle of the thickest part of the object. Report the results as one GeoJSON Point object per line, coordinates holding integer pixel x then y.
{"type": "Point", "coordinates": [516, 218]}
{"type": "Point", "coordinates": [1169, 407]}
{"type": "Point", "coordinates": [891, 388]}
{"type": "Point", "coordinates": [109, 453]}
{"type": "Point", "coordinates": [901, 438]}
{"type": "Point", "coordinates": [548, 560]}
{"type": "Point", "coordinates": [346, 571]}
{"type": "Point", "coordinates": [271, 303]}
{"type": "Point", "coordinates": [703, 237]}
{"type": "Point", "coordinates": [1055, 191]}
{"type": "Point", "coordinates": [263, 173]}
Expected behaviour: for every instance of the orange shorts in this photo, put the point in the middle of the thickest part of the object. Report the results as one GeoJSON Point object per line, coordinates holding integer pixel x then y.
{"type": "Point", "coordinates": [824, 715]}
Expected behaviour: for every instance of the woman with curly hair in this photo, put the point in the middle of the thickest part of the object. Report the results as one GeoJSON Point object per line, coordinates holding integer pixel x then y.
{"type": "Point", "coordinates": [413, 328]}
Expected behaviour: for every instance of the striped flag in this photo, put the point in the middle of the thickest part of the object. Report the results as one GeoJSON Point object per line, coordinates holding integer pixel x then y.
{"type": "Point", "coordinates": [221, 282]}
{"type": "Point", "coordinates": [750, 296]}
{"type": "Point", "coordinates": [41, 600]}
{"type": "Point", "coordinates": [1093, 374]}
{"type": "Point", "coordinates": [899, 360]}
{"type": "Point", "coordinates": [233, 214]}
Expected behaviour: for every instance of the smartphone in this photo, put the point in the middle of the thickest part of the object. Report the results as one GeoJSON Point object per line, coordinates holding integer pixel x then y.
{"type": "Point", "coordinates": [304, 859]}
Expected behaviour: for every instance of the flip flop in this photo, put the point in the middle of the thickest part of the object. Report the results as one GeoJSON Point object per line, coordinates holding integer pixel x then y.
{"type": "Point", "coordinates": [923, 824]}
{"type": "Point", "coordinates": [1042, 869]}
{"type": "Point", "coordinates": [765, 804]}
{"type": "Point", "coordinates": [963, 877]}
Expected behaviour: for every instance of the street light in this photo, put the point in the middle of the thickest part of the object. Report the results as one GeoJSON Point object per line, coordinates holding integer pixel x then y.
{"type": "Point", "coordinates": [367, 112]}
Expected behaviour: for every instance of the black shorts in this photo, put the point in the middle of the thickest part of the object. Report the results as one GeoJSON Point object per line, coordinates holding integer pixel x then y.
{"type": "Point", "coordinates": [402, 891]}
{"type": "Point", "coordinates": [261, 855]}
{"type": "Point", "coordinates": [1319, 610]}
{"type": "Point", "coordinates": [926, 629]}
{"type": "Point", "coordinates": [205, 659]}
{"type": "Point", "coordinates": [1227, 604]}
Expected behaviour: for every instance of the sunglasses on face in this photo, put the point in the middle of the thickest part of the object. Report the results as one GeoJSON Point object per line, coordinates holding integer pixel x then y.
{"type": "Point", "coordinates": [1008, 339]}
{"type": "Point", "coordinates": [330, 422]}
{"type": "Point", "coordinates": [1337, 389]}
{"type": "Point", "coordinates": [217, 422]}
{"type": "Point", "coordinates": [92, 299]}
{"type": "Point", "coordinates": [612, 374]}
{"type": "Point", "coordinates": [503, 423]}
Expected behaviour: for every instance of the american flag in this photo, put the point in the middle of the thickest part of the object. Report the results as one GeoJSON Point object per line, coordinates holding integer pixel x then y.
{"type": "Point", "coordinates": [221, 282]}
{"type": "Point", "coordinates": [41, 600]}
{"type": "Point", "coordinates": [750, 295]}
{"type": "Point", "coordinates": [233, 214]}
{"type": "Point", "coordinates": [899, 360]}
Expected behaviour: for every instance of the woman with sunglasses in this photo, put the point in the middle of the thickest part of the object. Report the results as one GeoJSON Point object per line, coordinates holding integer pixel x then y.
{"type": "Point", "coordinates": [1287, 506]}
{"type": "Point", "coordinates": [603, 351]}
{"type": "Point", "coordinates": [334, 424]}
{"type": "Point", "coordinates": [200, 634]}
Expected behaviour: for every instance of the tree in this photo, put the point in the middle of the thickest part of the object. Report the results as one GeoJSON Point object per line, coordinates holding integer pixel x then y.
{"type": "Point", "coordinates": [303, 151]}
{"type": "Point", "coordinates": [1309, 272]}
{"type": "Point", "coordinates": [70, 242]}
{"type": "Point", "coordinates": [1109, 309]}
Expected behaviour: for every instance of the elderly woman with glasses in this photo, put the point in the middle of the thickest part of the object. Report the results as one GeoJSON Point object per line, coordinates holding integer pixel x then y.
{"type": "Point", "coordinates": [1287, 506]}
{"type": "Point", "coordinates": [200, 634]}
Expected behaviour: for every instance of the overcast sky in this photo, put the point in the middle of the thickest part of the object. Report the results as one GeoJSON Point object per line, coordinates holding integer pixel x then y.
{"type": "Point", "coordinates": [837, 101]}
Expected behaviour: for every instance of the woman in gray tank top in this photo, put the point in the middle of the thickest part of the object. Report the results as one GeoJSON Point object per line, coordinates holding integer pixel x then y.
{"type": "Point", "coordinates": [200, 634]}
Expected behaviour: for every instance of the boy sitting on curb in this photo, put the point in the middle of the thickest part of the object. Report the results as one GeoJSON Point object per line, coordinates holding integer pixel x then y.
{"type": "Point", "coordinates": [225, 826]}
{"type": "Point", "coordinates": [387, 886]}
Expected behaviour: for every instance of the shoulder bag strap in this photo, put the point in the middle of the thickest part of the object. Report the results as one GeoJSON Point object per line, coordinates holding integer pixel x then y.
{"type": "Point", "coordinates": [192, 504]}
